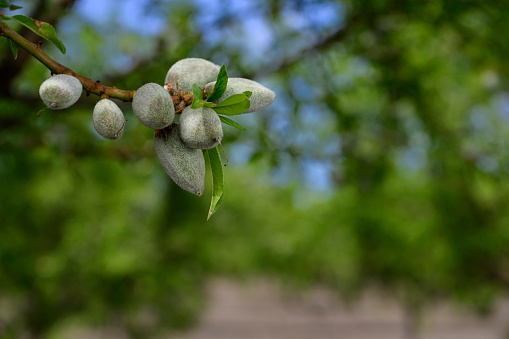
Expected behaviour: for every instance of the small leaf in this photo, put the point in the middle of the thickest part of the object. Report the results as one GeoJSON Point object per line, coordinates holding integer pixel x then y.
{"type": "Point", "coordinates": [5, 3]}
{"type": "Point", "coordinates": [197, 97]}
{"type": "Point", "coordinates": [235, 109]}
{"type": "Point", "coordinates": [218, 204]}
{"type": "Point", "coordinates": [235, 99]}
{"type": "Point", "coordinates": [232, 123]}
{"type": "Point", "coordinates": [43, 29]}
{"type": "Point", "coordinates": [217, 180]}
{"type": "Point", "coordinates": [14, 48]}
{"type": "Point", "coordinates": [210, 104]}
{"type": "Point", "coordinates": [220, 85]}
{"type": "Point", "coordinates": [197, 103]}
{"type": "Point", "coordinates": [234, 105]}
{"type": "Point", "coordinates": [14, 7]}
{"type": "Point", "coordinates": [197, 92]}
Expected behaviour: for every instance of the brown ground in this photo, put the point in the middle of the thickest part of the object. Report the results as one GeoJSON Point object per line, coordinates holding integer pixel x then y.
{"type": "Point", "coordinates": [258, 311]}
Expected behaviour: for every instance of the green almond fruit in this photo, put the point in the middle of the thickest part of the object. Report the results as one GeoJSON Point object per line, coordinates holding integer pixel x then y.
{"type": "Point", "coordinates": [60, 91]}
{"type": "Point", "coordinates": [184, 165]}
{"type": "Point", "coordinates": [261, 98]}
{"type": "Point", "coordinates": [153, 106]}
{"type": "Point", "coordinates": [200, 128]}
{"type": "Point", "coordinates": [187, 72]}
{"type": "Point", "coordinates": [108, 119]}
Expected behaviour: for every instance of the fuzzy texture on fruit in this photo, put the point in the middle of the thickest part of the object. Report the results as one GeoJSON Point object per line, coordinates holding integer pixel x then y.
{"type": "Point", "coordinates": [108, 119]}
{"type": "Point", "coordinates": [153, 106]}
{"type": "Point", "coordinates": [187, 72]}
{"type": "Point", "coordinates": [184, 165]}
{"type": "Point", "coordinates": [261, 98]}
{"type": "Point", "coordinates": [60, 91]}
{"type": "Point", "coordinates": [200, 128]}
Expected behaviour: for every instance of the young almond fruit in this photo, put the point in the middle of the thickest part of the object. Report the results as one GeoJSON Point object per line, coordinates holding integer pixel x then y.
{"type": "Point", "coordinates": [60, 91]}
{"type": "Point", "coordinates": [153, 106]}
{"type": "Point", "coordinates": [187, 72]}
{"type": "Point", "coordinates": [184, 165]}
{"type": "Point", "coordinates": [200, 128]}
{"type": "Point", "coordinates": [108, 119]}
{"type": "Point", "coordinates": [261, 98]}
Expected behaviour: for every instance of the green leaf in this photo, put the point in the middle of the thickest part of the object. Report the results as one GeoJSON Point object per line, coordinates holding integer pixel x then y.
{"type": "Point", "coordinates": [14, 7]}
{"type": "Point", "coordinates": [43, 29]}
{"type": "Point", "coordinates": [210, 104]}
{"type": "Point", "coordinates": [232, 123]}
{"type": "Point", "coordinates": [234, 105]}
{"type": "Point", "coordinates": [217, 180]}
{"type": "Point", "coordinates": [14, 48]}
{"type": "Point", "coordinates": [197, 103]}
{"type": "Point", "coordinates": [220, 85]}
{"type": "Point", "coordinates": [5, 3]}
{"type": "Point", "coordinates": [218, 204]}
{"type": "Point", "coordinates": [197, 97]}
{"type": "Point", "coordinates": [234, 99]}
{"type": "Point", "coordinates": [197, 92]}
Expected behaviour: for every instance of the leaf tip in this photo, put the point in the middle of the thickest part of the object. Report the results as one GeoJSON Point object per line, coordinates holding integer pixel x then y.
{"type": "Point", "coordinates": [209, 215]}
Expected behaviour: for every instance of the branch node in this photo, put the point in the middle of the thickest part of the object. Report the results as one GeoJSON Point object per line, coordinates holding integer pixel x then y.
{"type": "Point", "coordinates": [69, 71]}
{"type": "Point", "coordinates": [131, 95]}
{"type": "Point", "coordinates": [168, 87]}
{"type": "Point", "coordinates": [179, 107]}
{"type": "Point", "coordinates": [164, 132]}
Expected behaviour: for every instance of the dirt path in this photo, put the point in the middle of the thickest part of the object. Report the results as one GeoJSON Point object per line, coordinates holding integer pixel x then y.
{"type": "Point", "coordinates": [259, 312]}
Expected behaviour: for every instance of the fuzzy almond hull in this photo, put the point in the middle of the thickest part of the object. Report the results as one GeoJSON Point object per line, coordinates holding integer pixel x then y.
{"type": "Point", "coordinates": [184, 165]}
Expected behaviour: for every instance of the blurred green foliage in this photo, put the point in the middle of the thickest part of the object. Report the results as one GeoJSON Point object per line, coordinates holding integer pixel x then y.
{"type": "Point", "coordinates": [403, 107]}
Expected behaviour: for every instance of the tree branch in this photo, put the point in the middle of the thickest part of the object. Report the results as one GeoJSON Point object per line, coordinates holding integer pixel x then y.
{"type": "Point", "coordinates": [10, 68]}
{"type": "Point", "coordinates": [94, 87]}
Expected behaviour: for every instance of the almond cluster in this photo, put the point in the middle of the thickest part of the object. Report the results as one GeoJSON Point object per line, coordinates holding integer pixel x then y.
{"type": "Point", "coordinates": [178, 145]}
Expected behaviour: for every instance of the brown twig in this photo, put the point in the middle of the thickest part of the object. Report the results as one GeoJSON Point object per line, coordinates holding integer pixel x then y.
{"type": "Point", "coordinates": [94, 87]}
{"type": "Point", "coordinates": [88, 85]}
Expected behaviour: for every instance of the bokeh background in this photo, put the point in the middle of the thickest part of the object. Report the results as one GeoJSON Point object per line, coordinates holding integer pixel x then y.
{"type": "Point", "coordinates": [383, 162]}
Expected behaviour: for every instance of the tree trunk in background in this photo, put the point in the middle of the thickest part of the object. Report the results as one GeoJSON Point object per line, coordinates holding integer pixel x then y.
{"type": "Point", "coordinates": [412, 322]}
